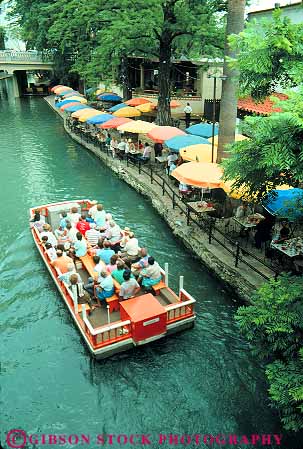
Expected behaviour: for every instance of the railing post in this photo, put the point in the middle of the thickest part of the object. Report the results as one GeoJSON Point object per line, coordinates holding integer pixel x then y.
{"type": "Point", "coordinates": [83, 311]}
{"type": "Point", "coordinates": [108, 315]}
{"type": "Point", "coordinates": [237, 254]}
{"type": "Point", "coordinates": [151, 174]}
{"type": "Point", "coordinates": [181, 282]}
{"type": "Point", "coordinates": [163, 187]}
{"type": "Point", "coordinates": [139, 167]}
{"type": "Point", "coordinates": [166, 273]}
{"type": "Point", "coordinates": [127, 162]}
{"type": "Point", "coordinates": [174, 199]}
{"type": "Point", "coordinates": [210, 230]}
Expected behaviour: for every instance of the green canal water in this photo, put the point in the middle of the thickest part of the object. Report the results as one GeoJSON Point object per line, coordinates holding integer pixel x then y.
{"type": "Point", "coordinates": [200, 381]}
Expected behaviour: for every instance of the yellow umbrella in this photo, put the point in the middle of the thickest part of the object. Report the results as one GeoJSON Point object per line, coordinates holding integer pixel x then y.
{"type": "Point", "coordinates": [90, 113]}
{"type": "Point", "coordinates": [80, 99]}
{"type": "Point", "coordinates": [137, 127]}
{"type": "Point", "coordinates": [127, 112]}
{"type": "Point", "coordinates": [199, 174]}
{"type": "Point", "coordinates": [240, 193]}
{"type": "Point", "coordinates": [238, 138]}
{"type": "Point", "coordinates": [198, 153]}
{"type": "Point", "coordinates": [146, 107]}
{"type": "Point", "coordinates": [79, 113]}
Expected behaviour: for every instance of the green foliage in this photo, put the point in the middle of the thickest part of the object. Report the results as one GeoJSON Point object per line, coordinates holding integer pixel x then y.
{"type": "Point", "coordinates": [2, 38]}
{"type": "Point", "coordinates": [270, 53]}
{"type": "Point", "coordinates": [273, 324]}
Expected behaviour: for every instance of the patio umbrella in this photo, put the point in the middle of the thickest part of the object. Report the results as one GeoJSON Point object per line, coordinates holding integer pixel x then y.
{"type": "Point", "coordinates": [146, 107]}
{"type": "Point", "coordinates": [127, 112]}
{"type": "Point", "coordinates": [199, 174]}
{"type": "Point", "coordinates": [285, 203]}
{"type": "Point", "coordinates": [77, 107]}
{"type": "Point", "coordinates": [162, 133]}
{"type": "Point", "coordinates": [115, 122]}
{"type": "Point", "coordinates": [79, 112]}
{"type": "Point", "coordinates": [73, 92]}
{"type": "Point", "coordinates": [81, 99]}
{"type": "Point", "coordinates": [59, 89]}
{"type": "Point", "coordinates": [66, 92]}
{"type": "Point", "coordinates": [109, 97]}
{"type": "Point", "coordinates": [198, 153]}
{"type": "Point", "coordinates": [178, 142]}
{"type": "Point", "coordinates": [70, 104]}
{"type": "Point", "coordinates": [88, 114]}
{"type": "Point", "coordinates": [173, 104]}
{"type": "Point", "coordinates": [238, 138]}
{"type": "Point", "coordinates": [117, 107]}
{"type": "Point", "coordinates": [55, 87]}
{"type": "Point", "coordinates": [99, 119]}
{"type": "Point", "coordinates": [137, 101]}
{"type": "Point", "coordinates": [137, 127]}
{"type": "Point", "coordinates": [63, 102]}
{"type": "Point", "coordinates": [202, 130]}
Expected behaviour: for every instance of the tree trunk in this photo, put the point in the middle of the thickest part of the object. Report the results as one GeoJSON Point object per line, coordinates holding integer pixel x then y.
{"type": "Point", "coordinates": [127, 91]}
{"type": "Point", "coordinates": [165, 66]}
{"type": "Point", "coordinates": [229, 98]}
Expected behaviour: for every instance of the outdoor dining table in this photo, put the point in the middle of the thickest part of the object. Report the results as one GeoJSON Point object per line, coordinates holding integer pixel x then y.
{"type": "Point", "coordinates": [289, 247]}
{"type": "Point", "coordinates": [198, 209]}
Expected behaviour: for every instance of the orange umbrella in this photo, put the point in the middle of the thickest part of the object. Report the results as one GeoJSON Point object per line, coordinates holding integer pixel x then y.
{"type": "Point", "coordinates": [62, 89]}
{"type": "Point", "coordinates": [115, 122]}
{"type": "Point", "coordinates": [78, 114]}
{"type": "Point", "coordinates": [55, 87]}
{"type": "Point", "coordinates": [198, 153]}
{"type": "Point", "coordinates": [162, 133]}
{"type": "Point", "coordinates": [74, 103]}
{"type": "Point", "coordinates": [173, 104]}
{"type": "Point", "coordinates": [127, 112]}
{"type": "Point", "coordinates": [137, 101]}
{"type": "Point", "coordinates": [199, 174]}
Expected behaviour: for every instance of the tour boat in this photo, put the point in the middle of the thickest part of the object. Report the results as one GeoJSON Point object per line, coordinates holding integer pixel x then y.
{"type": "Point", "coordinates": [120, 325]}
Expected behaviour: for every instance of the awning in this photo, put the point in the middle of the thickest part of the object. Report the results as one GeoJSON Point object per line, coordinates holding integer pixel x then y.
{"type": "Point", "coordinates": [198, 153]}
{"type": "Point", "coordinates": [162, 133]}
{"type": "Point", "coordinates": [202, 130]}
{"type": "Point", "coordinates": [199, 174]}
{"type": "Point", "coordinates": [178, 142]}
{"type": "Point", "coordinates": [137, 127]}
{"type": "Point", "coordinates": [115, 122]}
{"type": "Point", "coordinates": [98, 119]}
{"type": "Point", "coordinates": [285, 203]}
{"type": "Point", "coordinates": [127, 112]}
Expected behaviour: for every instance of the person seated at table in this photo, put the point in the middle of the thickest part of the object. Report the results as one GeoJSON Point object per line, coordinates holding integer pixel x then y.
{"type": "Point", "coordinates": [184, 190]}
{"type": "Point", "coordinates": [140, 146]}
{"type": "Point", "coordinates": [151, 275]}
{"type": "Point", "coordinates": [121, 149]}
{"type": "Point", "coordinates": [132, 148]}
{"type": "Point", "coordinates": [129, 287]}
{"type": "Point", "coordinates": [284, 232]}
{"type": "Point", "coordinates": [83, 225]}
{"type": "Point", "coordinates": [172, 157]}
{"type": "Point", "coordinates": [264, 230]}
{"type": "Point", "coordinates": [114, 146]}
{"type": "Point", "coordinates": [298, 264]}
{"type": "Point", "coordinates": [106, 286]}
{"type": "Point", "coordinates": [172, 167]}
{"type": "Point", "coordinates": [158, 148]}
{"type": "Point", "coordinates": [146, 153]}
{"type": "Point", "coordinates": [105, 253]}
{"type": "Point", "coordinates": [243, 211]}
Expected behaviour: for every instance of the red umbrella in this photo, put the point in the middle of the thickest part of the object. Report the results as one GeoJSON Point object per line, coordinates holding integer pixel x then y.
{"type": "Point", "coordinates": [67, 105]}
{"type": "Point", "coordinates": [115, 122]}
{"type": "Point", "coordinates": [55, 87]}
{"type": "Point", "coordinates": [162, 133]}
{"type": "Point", "coordinates": [137, 101]}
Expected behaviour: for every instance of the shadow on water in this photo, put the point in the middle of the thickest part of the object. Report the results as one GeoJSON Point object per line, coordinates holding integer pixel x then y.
{"type": "Point", "coordinates": [200, 381]}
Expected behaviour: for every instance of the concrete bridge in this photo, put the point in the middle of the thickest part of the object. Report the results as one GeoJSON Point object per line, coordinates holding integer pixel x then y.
{"type": "Point", "coordinates": [15, 64]}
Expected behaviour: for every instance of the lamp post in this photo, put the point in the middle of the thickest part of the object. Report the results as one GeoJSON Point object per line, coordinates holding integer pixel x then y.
{"type": "Point", "coordinates": [215, 77]}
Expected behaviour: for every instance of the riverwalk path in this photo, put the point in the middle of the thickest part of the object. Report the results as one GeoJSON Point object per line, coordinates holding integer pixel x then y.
{"type": "Point", "coordinates": [218, 256]}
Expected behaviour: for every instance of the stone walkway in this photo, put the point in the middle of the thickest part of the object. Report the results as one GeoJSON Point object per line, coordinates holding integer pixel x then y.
{"type": "Point", "coordinates": [241, 280]}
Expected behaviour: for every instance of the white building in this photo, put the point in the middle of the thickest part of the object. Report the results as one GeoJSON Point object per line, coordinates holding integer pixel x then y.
{"type": "Point", "coordinates": [263, 10]}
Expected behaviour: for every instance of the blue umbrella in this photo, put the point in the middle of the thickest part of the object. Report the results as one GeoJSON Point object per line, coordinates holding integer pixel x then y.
{"type": "Point", "coordinates": [177, 142]}
{"type": "Point", "coordinates": [76, 108]}
{"type": "Point", "coordinates": [64, 92]}
{"type": "Point", "coordinates": [97, 119]}
{"type": "Point", "coordinates": [62, 103]}
{"type": "Point", "coordinates": [109, 97]}
{"type": "Point", "coordinates": [117, 107]}
{"type": "Point", "coordinates": [202, 130]}
{"type": "Point", "coordinates": [285, 203]}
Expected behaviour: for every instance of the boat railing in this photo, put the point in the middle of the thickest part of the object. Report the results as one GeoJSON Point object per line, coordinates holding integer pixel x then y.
{"type": "Point", "coordinates": [182, 309]}
{"type": "Point", "coordinates": [107, 334]}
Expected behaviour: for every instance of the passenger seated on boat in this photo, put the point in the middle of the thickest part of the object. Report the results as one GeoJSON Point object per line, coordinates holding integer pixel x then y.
{"type": "Point", "coordinates": [92, 235]}
{"type": "Point", "coordinates": [118, 273]}
{"type": "Point", "coordinates": [62, 262]}
{"type": "Point", "coordinates": [125, 237]}
{"type": "Point", "coordinates": [47, 231]}
{"type": "Point", "coordinates": [151, 275]}
{"type": "Point", "coordinates": [92, 281]}
{"type": "Point", "coordinates": [73, 216]}
{"type": "Point", "coordinates": [105, 253]}
{"type": "Point", "coordinates": [63, 221]}
{"type": "Point", "coordinates": [80, 246]}
{"type": "Point", "coordinates": [83, 225]}
{"type": "Point", "coordinates": [44, 240]}
{"type": "Point", "coordinates": [63, 238]}
{"type": "Point", "coordinates": [142, 263]}
{"type": "Point", "coordinates": [65, 277]}
{"type": "Point", "coordinates": [100, 217]}
{"type": "Point", "coordinates": [78, 292]}
{"type": "Point", "coordinates": [37, 222]}
{"type": "Point", "coordinates": [129, 287]}
{"type": "Point", "coordinates": [92, 211]}
{"type": "Point", "coordinates": [112, 263]}
{"type": "Point", "coordinates": [131, 249]}
{"type": "Point", "coordinates": [51, 252]}
{"type": "Point", "coordinates": [71, 232]}
{"type": "Point", "coordinates": [114, 235]}
{"type": "Point", "coordinates": [106, 287]}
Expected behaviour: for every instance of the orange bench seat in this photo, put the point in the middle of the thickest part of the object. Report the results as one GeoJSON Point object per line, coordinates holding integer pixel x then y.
{"type": "Point", "coordinates": [157, 287]}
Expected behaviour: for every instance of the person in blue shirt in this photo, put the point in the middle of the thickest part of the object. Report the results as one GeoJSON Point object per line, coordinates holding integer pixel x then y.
{"type": "Point", "coordinates": [63, 221]}
{"type": "Point", "coordinates": [106, 287]}
{"type": "Point", "coordinates": [80, 246]}
{"type": "Point", "coordinates": [106, 253]}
